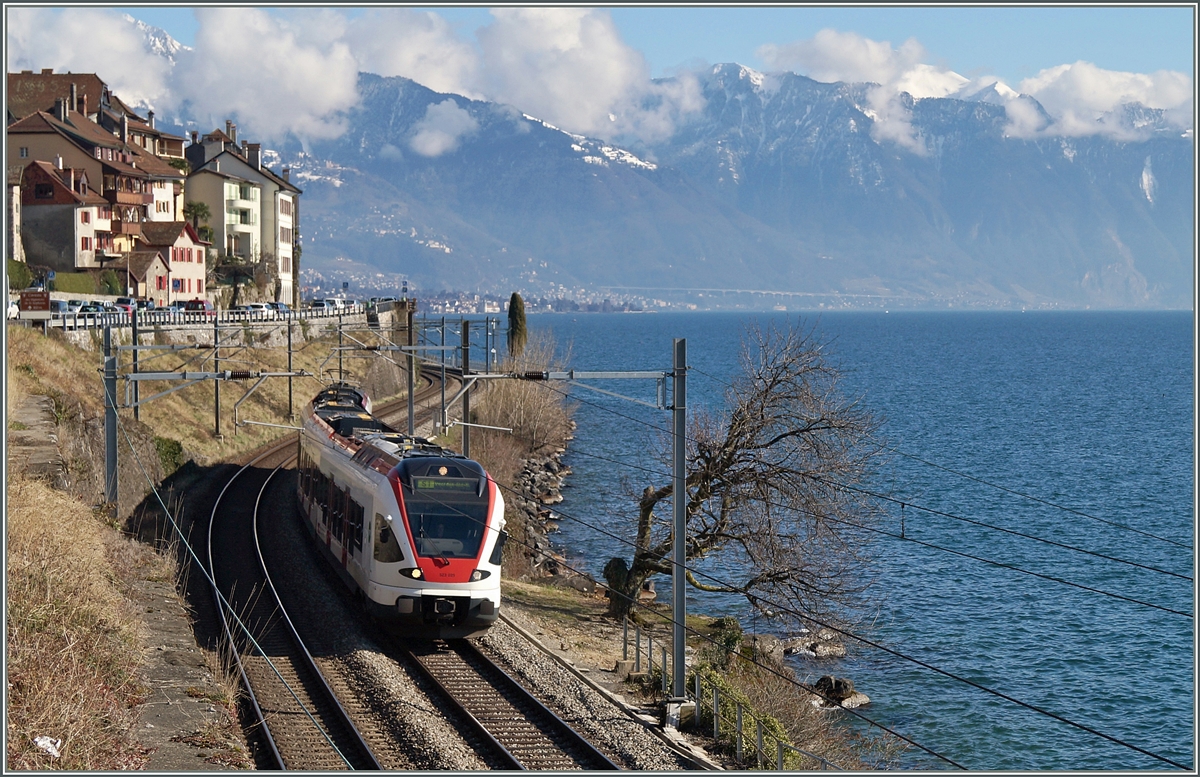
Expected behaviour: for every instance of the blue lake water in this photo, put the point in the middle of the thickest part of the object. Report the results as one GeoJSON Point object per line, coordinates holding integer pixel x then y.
{"type": "Point", "coordinates": [1091, 411]}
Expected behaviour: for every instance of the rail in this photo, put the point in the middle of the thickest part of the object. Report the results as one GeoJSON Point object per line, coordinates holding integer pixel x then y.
{"type": "Point", "coordinates": [124, 319]}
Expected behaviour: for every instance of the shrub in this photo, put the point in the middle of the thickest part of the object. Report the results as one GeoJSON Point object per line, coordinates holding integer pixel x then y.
{"type": "Point", "coordinates": [110, 283]}
{"type": "Point", "coordinates": [19, 276]}
{"type": "Point", "coordinates": [170, 454]}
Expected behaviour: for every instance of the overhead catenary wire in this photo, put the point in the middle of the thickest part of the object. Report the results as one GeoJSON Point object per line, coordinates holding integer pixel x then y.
{"type": "Point", "coordinates": [1039, 500]}
{"type": "Point", "coordinates": [870, 643]}
{"type": "Point", "coordinates": [910, 503]}
{"type": "Point", "coordinates": [909, 537]}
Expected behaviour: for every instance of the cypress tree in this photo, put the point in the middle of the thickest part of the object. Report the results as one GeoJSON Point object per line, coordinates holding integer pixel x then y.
{"type": "Point", "coordinates": [517, 334]}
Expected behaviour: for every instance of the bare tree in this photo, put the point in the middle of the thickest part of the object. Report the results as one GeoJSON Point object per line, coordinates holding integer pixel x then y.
{"type": "Point", "coordinates": [765, 487]}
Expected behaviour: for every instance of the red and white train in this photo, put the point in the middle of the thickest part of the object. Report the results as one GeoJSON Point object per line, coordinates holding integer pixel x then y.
{"type": "Point", "coordinates": [415, 530]}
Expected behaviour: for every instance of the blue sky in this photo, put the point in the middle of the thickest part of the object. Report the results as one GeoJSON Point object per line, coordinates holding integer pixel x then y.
{"type": "Point", "coordinates": [1014, 43]}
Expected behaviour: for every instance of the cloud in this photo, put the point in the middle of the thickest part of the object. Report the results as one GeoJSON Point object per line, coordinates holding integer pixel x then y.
{"type": "Point", "coordinates": [1079, 96]}
{"type": "Point", "coordinates": [415, 44]}
{"type": "Point", "coordinates": [276, 76]}
{"type": "Point", "coordinates": [570, 68]}
{"type": "Point", "coordinates": [87, 40]}
{"type": "Point", "coordinates": [831, 56]}
{"type": "Point", "coordinates": [441, 129]}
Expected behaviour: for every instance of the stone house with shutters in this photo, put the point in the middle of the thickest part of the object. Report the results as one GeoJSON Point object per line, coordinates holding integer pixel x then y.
{"type": "Point", "coordinates": [144, 274]}
{"type": "Point", "coordinates": [186, 256]}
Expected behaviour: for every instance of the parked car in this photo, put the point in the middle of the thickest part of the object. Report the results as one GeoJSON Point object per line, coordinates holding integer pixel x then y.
{"type": "Point", "coordinates": [73, 305]}
{"type": "Point", "coordinates": [174, 307]}
{"type": "Point", "coordinates": [322, 304]}
{"type": "Point", "coordinates": [280, 307]}
{"type": "Point", "coordinates": [259, 310]}
{"type": "Point", "coordinates": [146, 304]}
{"type": "Point", "coordinates": [200, 306]}
{"type": "Point", "coordinates": [58, 307]}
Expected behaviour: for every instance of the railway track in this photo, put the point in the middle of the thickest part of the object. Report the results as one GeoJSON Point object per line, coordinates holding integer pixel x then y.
{"type": "Point", "coordinates": [301, 721]}
{"type": "Point", "coordinates": [520, 731]}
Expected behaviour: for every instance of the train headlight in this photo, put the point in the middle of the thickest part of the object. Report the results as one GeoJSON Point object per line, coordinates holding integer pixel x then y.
{"type": "Point", "coordinates": [415, 574]}
{"type": "Point", "coordinates": [479, 574]}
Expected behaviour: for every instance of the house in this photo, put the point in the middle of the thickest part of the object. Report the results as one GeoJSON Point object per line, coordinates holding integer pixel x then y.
{"type": "Point", "coordinates": [278, 204]}
{"type": "Point", "coordinates": [13, 247]}
{"type": "Point", "coordinates": [106, 161]}
{"type": "Point", "coordinates": [186, 256]}
{"type": "Point", "coordinates": [131, 179]}
{"type": "Point", "coordinates": [144, 274]}
{"type": "Point", "coordinates": [65, 224]}
{"type": "Point", "coordinates": [30, 92]}
{"type": "Point", "coordinates": [234, 205]}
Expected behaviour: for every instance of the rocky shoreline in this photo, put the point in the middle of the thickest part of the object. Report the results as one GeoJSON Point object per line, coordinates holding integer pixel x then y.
{"type": "Point", "coordinates": [540, 484]}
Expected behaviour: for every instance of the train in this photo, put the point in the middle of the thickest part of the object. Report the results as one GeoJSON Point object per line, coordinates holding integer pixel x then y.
{"type": "Point", "coordinates": [415, 530]}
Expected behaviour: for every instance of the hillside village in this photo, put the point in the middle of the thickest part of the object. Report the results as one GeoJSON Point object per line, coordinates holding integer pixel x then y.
{"type": "Point", "coordinates": [96, 189]}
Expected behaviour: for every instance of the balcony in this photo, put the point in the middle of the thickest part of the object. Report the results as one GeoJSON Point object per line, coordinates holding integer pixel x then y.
{"type": "Point", "coordinates": [239, 204]}
{"type": "Point", "coordinates": [128, 198]}
{"type": "Point", "coordinates": [127, 227]}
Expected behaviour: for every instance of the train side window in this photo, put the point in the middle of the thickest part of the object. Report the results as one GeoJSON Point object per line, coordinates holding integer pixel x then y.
{"type": "Point", "coordinates": [387, 549]}
{"type": "Point", "coordinates": [356, 526]}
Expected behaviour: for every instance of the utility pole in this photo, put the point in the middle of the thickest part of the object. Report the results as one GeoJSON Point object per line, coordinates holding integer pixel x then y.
{"type": "Point", "coordinates": [466, 402]}
{"type": "Point", "coordinates": [137, 415]}
{"type": "Point", "coordinates": [678, 406]}
{"type": "Point", "coordinates": [291, 407]}
{"type": "Point", "coordinates": [217, 383]}
{"type": "Point", "coordinates": [412, 378]}
{"type": "Point", "coordinates": [110, 423]}
{"type": "Point", "coordinates": [679, 503]}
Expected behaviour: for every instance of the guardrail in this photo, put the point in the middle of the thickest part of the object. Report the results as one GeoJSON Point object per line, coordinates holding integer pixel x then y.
{"type": "Point", "coordinates": [731, 723]}
{"type": "Point", "coordinates": [121, 318]}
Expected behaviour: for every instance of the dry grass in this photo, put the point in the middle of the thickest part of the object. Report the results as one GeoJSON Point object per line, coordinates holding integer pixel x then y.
{"type": "Point", "coordinates": [541, 424]}
{"type": "Point", "coordinates": [50, 365]}
{"type": "Point", "coordinates": [73, 639]}
{"type": "Point", "coordinates": [814, 730]}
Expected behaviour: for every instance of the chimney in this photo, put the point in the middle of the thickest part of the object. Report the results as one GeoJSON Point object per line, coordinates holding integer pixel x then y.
{"type": "Point", "coordinates": [74, 104]}
{"type": "Point", "coordinates": [58, 161]}
{"type": "Point", "coordinates": [287, 171]}
{"type": "Point", "coordinates": [47, 71]}
{"type": "Point", "coordinates": [150, 118]}
{"type": "Point", "coordinates": [245, 151]}
{"type": "Point", "coordinates": [83, 105]}
{"type": "Point", "coordinates": [71, 178]}
{"type": "Point", "coordinates": [231, 130]}
{"type": "Point", "coordinates": [254, 155]}
{"type": "Point", "coordinates": [124, 128]}
{"type": "Point", "coordinates": [60, 109]}
{"type": "Point", "coordinates": [195, 137]}
{"type": "Point", "coordinates": [217, 165]}
{"type": "Point", "coordinates": [233, 135]}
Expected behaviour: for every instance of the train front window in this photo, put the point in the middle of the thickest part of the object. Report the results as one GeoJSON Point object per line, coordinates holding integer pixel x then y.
{"type": "Point", "coordinates": [446, 517]}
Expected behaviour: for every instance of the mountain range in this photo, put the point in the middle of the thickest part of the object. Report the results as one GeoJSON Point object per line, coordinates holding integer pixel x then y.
{"type": "Point", "coordinates": [778, 184]}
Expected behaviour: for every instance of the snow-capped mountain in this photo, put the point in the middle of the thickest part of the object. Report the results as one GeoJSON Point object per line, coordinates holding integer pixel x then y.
{"type": "Point", "coordinates": [780, 182]}
{"type": "Point", "coordinates": [157, 40]}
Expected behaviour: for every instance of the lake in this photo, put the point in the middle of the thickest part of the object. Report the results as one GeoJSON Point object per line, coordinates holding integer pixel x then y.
{"type": "Point", "coordinates": [1088, 413]}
